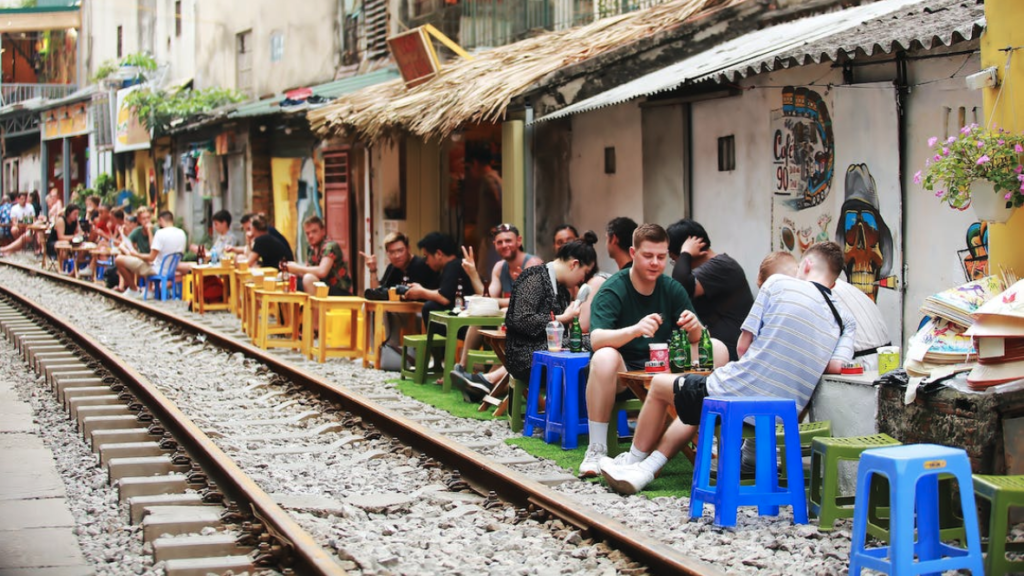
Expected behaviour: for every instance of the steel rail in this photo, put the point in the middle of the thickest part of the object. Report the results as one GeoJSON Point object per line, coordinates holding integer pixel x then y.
{"type": "Point", "coordinates": [310, 557]}
{"type": "Point", "coordinates": [478, 470]}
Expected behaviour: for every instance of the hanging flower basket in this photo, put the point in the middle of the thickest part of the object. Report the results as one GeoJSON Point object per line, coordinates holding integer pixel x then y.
{"type": "Point", "coordinates": [978, 167]}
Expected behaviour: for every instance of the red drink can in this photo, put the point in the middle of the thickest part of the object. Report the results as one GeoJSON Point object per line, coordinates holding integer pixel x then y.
{"type": "Point", "coordinates": [291, 282]}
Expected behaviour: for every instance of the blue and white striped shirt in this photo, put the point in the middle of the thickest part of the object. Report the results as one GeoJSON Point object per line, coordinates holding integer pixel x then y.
{"type": "Point", "coordinates": [795, 336]}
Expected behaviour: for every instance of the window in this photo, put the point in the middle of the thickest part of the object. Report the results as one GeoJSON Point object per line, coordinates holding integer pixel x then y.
{"type": "Point", "coordinates": [243, 62]}
{"type": "Point", "coordinates": [726, 153]}
{"type": "Point", "coordinates": [120, 41]}
{"type": "Point", "coordinates": [177, 18]}
{"type": "Point", "coordinates": [276, 46]}
{"type": "Point", "coordinates": [609, 160]}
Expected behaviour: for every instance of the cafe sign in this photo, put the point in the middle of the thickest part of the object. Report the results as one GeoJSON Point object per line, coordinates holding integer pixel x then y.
{"type": "Point", "coordinates": [129, 132]}
{"type": "Point", "coordinates": [414, 53]}
{"type": "Point", "coordinates": [65, 121]}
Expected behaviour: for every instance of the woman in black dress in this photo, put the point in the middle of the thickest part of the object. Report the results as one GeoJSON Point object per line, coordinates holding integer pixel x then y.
{"type": "Point", "coordinates": [64, 228]}
{"type": "Point", "coordinates": [537, 293]}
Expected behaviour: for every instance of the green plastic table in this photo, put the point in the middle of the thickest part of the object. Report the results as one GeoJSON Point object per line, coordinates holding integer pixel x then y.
{"type": "Point", "coordinates": [453, 324]}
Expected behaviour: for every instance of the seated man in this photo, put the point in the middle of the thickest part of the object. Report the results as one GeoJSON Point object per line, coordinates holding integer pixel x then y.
{"type": "Point", "coordinates": [403, 269]}
{"type": "Point", "coordinates": [441, 253]}
{"type": "Point", "coordinates": [635, 307]}
{"type": "Point", "coordinates": [243, 250]}
{"type": "Point", "coordinates": [267, 250]}
{"type": "Point", "coordinates": [715, 282]}
{"type": "Point", "coordinates": [167, 241]}
{"type": "Point", "coordinates": [793, 334]}
{"type": "Point", "coordinates": [324, 261]}
{"type": "Point", "coordinates": [6, 203]}
{"type": "Point", "coordinates": [21, 215]}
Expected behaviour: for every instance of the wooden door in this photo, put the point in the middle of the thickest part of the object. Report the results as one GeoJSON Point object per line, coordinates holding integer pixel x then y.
{"type": "Point", "coordinates": [337, 203]}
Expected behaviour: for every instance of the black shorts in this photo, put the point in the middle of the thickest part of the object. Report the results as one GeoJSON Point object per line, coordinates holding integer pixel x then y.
{"type": "Point", "coordinates": [689, 393]}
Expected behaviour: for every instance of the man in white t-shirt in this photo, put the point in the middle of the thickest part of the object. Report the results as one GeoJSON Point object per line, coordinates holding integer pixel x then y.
{"type": "Point", "coordinates": [871, 328]}
{"type": "Point", "coordinates": [22, 213]}
{"type": "Point", "coordinates": [167, 241]}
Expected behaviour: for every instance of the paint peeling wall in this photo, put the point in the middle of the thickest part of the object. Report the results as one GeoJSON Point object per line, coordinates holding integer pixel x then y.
{"type": "Point", "coordinates": [599, 197]}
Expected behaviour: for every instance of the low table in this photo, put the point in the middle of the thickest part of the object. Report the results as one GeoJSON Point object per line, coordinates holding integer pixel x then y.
{"type": "Point", "coordinates": [639, 382]}
{"type": "Point", "coordinates": [199, 273]}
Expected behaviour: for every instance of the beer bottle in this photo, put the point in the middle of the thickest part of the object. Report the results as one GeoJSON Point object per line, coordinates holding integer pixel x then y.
{"type": "Point", "coordinates": [201, 254]}
{"type": "Point", "coordinates": [706, 352]}
{"type": "Point", "coordinates": [460, 303]}
{"type": "Point", "coordinates": [575, 336]}
{"type": "Point", "coordinates": [676, 350]}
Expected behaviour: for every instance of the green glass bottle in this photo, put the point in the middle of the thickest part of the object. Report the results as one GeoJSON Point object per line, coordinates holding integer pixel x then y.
{"type": "Point", "coordinates": [679, 354]}
{"type": "Point", "coordinates": [706, 351]}
{"type": "Point", "coordinates": [575, 336]}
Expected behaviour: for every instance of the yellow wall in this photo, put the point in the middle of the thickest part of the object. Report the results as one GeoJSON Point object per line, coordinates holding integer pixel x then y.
{"type": "Point", "coordinates": [423, 189]}
{"type": "Point", "coordinates": [1004, 29]}
{"type": "Point", "coordinates": [513, 201]}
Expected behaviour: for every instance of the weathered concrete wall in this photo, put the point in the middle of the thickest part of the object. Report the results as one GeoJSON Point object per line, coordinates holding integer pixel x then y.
{"type": "Point", "coordinates": [552, 151]}
{"type": "Point", "coordinates": [599, 197]}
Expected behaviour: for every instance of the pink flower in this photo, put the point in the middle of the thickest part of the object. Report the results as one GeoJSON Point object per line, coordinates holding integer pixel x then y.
{"type": "Point", "coordinates": [1001, 141]}
{"type": "Point", "coordinates": [1020, 177]}
{"type": "Point", "coordinates": [965, 130]}
{"type": "Point", "coordinates": [981, 144]}
{"type": "Point", "coordinates": [983, 160]}
{"type": "Point", "coordinates": [945, 151]}
{"type": "Point", "coordinates": [939, 193]}
{"type": "Point", "coordinates": [937, 158]}
{"type": "Point", "coordinates": [1007, 196]}
{"type": "Point", "coordinates": [1018, 149]}
{"type": "Point", "coordinates": [951, 139]}
{"type": "Point", "coordinates": [917, 177]}
{"type": "Point", "coordinates": [1019, 168]}
{"type": "Point", "coordinates": [932, 141]}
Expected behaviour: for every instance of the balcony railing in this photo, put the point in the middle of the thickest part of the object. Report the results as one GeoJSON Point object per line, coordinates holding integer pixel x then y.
{"type": "Point", "coordinates": [489, 23]}
{"type": "Point", "coordinates": [14, 93]}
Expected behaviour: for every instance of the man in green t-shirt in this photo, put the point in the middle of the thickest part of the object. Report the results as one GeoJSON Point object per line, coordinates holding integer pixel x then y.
{"type": "Point", "coordinates": [637, 306]}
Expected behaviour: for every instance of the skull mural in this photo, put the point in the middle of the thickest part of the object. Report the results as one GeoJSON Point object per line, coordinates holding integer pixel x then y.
{"type": "Point", "coordinates": [861, 231]}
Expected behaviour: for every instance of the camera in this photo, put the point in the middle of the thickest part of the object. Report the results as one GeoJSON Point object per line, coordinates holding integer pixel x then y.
{"type": "Point", "coordinates": [401, 289]}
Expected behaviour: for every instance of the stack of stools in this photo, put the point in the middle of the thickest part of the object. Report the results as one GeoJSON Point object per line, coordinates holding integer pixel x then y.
{"type": "Point", "coordinates": [727, 494]}
{"type": "Point", "coordinates": [826, 501]}
{"type": "Point", "coordinates": [913, 474]}
{"type": "Point", "coordinates": [1002, 492]}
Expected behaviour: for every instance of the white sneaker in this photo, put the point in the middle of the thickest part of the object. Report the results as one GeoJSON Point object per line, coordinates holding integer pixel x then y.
{"type": "Point", "coordinates": [627, 479]}
{"type": "Point", "coordinates": [624, 459]}
{"type": "Point", "coordinates": [133, 293]}
{"type": "Point", "coordinates": [591, 465]}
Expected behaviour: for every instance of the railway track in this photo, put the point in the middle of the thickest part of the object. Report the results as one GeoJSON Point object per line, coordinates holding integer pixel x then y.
{"type": "Point", "coordinates": [333, 418]}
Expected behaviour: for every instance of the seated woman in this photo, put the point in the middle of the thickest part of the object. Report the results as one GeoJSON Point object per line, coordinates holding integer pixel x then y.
{"type": "Point", "coordinates": [535, 299]}
{"type": "Point", "coordinates": [64, 229]}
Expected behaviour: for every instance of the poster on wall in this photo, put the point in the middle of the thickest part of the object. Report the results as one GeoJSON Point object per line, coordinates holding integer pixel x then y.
{"type": "Point", "coordinates": [835, 176]}
{"type": "Point", "coordinates": [129, 132]}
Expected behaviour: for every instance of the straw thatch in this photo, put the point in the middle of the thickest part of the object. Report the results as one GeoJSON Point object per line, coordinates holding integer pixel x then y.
{"type": "Point", "coordinates": [479, 90]}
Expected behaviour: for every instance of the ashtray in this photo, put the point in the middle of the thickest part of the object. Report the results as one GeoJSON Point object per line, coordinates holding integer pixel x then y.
{"type": "Point", "coordinates": [852, 368]}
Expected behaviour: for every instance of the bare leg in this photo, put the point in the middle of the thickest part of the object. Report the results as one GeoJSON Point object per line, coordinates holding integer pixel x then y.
{"type": "Point", "coordinates": [473, 341]}
{"type": "Point", "coordinates": [603, 384]}
{"type": "Point", "coordinates": [16, 245]}
{"type": "Point", "coordinates": [649, 426]}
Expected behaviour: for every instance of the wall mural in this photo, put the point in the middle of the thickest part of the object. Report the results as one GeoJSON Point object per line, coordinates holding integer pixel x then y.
{"type": "Point", "coordinates": [859, 210]}
{"type": "Point", "coordinates": [863, 234]}
{"type": "Point", "coordinates": [975, 257]}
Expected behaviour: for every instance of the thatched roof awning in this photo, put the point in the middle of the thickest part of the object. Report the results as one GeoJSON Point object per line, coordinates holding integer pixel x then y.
{"type": "Point", "coordinates": [480, 90]}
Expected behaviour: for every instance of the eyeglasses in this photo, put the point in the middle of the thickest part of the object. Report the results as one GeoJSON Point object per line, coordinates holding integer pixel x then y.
{"type": "Point", "coordinates": [505, 228]}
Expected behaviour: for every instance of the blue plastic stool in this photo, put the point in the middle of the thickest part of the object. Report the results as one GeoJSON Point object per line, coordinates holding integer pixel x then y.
{"type": "Point", "coordinates": [563, 416]}
{"type": "Point", "coordinates": [913, 474]}
{"type": "Point", "coordinates": [727, 494]}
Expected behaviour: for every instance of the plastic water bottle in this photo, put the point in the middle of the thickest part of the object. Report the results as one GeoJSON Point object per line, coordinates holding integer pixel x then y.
{"type": "Point", "coordinates": [214, 257]}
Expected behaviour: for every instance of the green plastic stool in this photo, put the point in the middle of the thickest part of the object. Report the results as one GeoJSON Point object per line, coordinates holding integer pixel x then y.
{"type": "Point", "coordinates": [1003, 492]}
{"type": "Point", "coordinates": [808, 432]}
{"type": "Point", "coordinates": [517, 403]}
{"type": "Point", "coordinates": [826, 502]}
{"type": "Point", "coordinates": [484, 358]}
{"type": "Point", "coordinates": [612, 440]}
{"type": "Point", "coordinates": [419, 372]}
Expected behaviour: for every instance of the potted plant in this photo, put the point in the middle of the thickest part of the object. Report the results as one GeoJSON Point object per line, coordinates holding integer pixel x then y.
{"type": "Point", "coordinates": [977, 168]}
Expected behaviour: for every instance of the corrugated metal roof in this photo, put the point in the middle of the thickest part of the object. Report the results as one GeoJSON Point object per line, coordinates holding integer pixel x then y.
{"type": "Point", "coordinates": [329, 91]}
{"type": "Point", "coordinates": [882, 26]}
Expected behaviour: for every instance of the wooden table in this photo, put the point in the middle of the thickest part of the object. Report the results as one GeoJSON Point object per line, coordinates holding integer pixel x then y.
{"type": "Point", "coordinates": [106, 254]}
{"type": "Point", "coordinates": [453, 324]}
{"type": "Point", "coordinates": [199, 273]}
{"type": "Point", "coordinates": [377, 311]}
{"type": "Point", "coordinates": [639, 382]}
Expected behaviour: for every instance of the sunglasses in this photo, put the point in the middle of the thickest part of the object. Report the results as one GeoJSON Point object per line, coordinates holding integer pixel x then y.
{"type": "Point", "coordinates": [505, 228]}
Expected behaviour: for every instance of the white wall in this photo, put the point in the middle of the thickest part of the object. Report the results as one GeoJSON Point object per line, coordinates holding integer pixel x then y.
{"type": "Point", "coordinates": [101, 19]}
{"type": "Point", "coordinates": [29, 170]}
{"type": "Point", "coordinates": [177, 51]}
{"type": "Point", "coordinates": [597, 197]}
{"type": "Point", "coordinates": [310, 42]}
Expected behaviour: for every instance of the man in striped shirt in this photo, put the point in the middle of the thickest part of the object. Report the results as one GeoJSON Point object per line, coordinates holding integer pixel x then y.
{"type": "Point", "coordinates": [794, 333]}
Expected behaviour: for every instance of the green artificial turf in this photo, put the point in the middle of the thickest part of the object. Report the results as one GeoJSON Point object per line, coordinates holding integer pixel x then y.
{"type": "Point", "coordinates": [451, 402]}
{"type": "Point", "coordinates": [674, 480]}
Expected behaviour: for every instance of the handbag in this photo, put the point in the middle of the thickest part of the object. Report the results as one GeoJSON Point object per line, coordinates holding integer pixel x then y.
{"type": "Point", "coordinates": [390, 358]}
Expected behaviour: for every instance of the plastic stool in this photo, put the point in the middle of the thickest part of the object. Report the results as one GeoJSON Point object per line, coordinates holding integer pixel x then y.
{"type": "Point", "coordinates": [622, 408]}
{"type": "Point", "coordinates": [486, 358]}
{"type": "Point", "coordinates": [1002, 492]}
{"type": "Point", "coordinates": [951, 527]}
{"type": "Point", "coordinates": [562, 416]}
{"type": "Point", "coordinates": [419, 372]}
{"type": "Point", "coordinates": [913, 473]}
{"type": "Point", "coordinates": [826, 501]}
{"type": "Point", "coordinates": [186, 288]}
{"type": "Point", "coordinates": [727, 494]}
